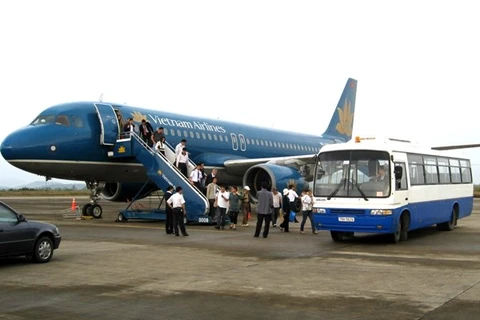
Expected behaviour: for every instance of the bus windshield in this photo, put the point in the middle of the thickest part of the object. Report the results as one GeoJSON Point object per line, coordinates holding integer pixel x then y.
{"type": "Point", "coordinates": [352, 174]}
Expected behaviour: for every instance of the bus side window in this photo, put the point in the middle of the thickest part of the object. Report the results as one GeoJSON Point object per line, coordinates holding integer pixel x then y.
{"type": "Point", "coordinates": [402, 183]}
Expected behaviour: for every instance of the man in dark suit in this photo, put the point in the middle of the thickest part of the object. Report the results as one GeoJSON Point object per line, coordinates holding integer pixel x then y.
{"type": "Point", "coordinates": [146, 131]}
{"type": "Point", "coordinates": [264, 210]}
{"type": "Point", "coordinates": [210, 176]}
{"type": "Point", "coordinates": [169, 211]}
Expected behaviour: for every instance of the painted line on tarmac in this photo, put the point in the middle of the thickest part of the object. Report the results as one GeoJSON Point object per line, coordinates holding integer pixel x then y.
{"type": "Point", "coordinates": [409, 256]}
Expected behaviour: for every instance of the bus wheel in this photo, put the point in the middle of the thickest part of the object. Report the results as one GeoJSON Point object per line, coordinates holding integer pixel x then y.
{"type": "Point", "coordinates": [405, 223]}
{"type": "Point", "coordinates": [397, 234]}
{"type": "Point", "coordinates": [450, 224]}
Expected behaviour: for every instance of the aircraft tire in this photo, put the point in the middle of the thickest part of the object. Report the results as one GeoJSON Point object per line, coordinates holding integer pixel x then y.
{"type": "Point", "coordinates": [85, 209]}
{"type": "Point", "coordinates": [96, 211]}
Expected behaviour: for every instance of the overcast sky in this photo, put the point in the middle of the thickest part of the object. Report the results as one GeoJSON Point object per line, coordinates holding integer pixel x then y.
{"type": "Point", "coordinates": [281, 64]}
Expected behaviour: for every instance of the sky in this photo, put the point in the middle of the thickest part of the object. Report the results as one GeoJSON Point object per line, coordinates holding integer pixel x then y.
{"type": "Point", "coordinates": [279, 64]}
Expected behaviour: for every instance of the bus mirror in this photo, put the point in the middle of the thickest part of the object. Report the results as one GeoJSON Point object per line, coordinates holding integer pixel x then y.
{"type": "Point", "coordinates": [398, 172]}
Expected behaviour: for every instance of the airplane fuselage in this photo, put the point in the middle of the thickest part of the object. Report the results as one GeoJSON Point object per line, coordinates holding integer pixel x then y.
{"type": "Point", "coordinates": [64, 142]}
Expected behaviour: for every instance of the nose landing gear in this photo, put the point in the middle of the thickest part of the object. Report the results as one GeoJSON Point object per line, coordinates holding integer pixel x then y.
{"type": "Point", "coordinates": [93, 208]}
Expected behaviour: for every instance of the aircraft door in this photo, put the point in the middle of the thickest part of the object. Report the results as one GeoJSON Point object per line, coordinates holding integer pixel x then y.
{"type": "Point", "coordinates": [234, 141]}
{"type": "Point", "coordinates": [108, 124]}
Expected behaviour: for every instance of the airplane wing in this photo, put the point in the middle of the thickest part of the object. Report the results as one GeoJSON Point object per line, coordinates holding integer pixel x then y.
{"type": "Point", "coordinates": [239, 166]}
{"type": "Point", "coordinates": [459, 146]}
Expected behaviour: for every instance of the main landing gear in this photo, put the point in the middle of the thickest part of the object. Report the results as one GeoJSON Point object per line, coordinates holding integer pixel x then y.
{"type": "Point", "coordinates": [93, 208]}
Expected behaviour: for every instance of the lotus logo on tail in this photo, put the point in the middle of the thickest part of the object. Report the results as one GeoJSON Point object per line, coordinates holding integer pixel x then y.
{"type": "Point", "coordinates": [345, 119]}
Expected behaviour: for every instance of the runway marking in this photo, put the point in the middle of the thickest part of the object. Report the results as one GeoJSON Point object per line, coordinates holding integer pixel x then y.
{"type": "Point", "coordinates": [409, 256]}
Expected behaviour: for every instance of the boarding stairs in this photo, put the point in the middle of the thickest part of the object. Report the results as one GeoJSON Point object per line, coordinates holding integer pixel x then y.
{"type": "Point", "coordinates": [162, 171]}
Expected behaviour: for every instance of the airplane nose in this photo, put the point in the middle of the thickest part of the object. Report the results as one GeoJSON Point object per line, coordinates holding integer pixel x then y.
{"type": "Point", "coordinates": [7, 148]}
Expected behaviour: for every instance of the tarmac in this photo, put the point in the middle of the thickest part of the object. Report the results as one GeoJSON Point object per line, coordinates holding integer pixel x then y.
{"type": "Point", "coordinates": [133, 270]}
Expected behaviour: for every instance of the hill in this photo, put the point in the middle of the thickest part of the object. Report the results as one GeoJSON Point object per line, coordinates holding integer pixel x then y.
{"type": "Point", "coordinates": [50, 185]}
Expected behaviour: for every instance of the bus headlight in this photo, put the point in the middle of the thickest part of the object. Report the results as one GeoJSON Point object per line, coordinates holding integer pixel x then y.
{"type": "Point", "coordinates": [318, 210]}
{"type": "Point", "coordinates": [380, 212]}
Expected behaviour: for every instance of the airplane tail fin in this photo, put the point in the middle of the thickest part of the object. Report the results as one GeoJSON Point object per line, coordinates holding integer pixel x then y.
{"type": "Point", "coordinates": [341, 124]}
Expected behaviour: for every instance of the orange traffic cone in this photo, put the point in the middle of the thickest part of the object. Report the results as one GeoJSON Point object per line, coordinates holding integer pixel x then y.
{"type": "Point", "coordinates": [74, 204]}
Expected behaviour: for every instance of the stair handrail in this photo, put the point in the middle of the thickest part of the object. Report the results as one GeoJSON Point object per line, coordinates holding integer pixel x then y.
{"type": "Point", "coordinates": [154, 153]}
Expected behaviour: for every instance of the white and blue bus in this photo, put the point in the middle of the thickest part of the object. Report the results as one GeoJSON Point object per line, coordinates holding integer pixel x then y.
{"type": "Point", "coordinates": [391, 186]}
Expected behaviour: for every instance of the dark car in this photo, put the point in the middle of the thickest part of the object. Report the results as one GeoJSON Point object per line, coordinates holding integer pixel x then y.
{"type": "Point", "coordinates": [19, 237]}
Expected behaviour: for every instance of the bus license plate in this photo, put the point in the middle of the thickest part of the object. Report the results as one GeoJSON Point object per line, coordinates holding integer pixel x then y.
{"type": "Point", "coordinates": [346, 219]}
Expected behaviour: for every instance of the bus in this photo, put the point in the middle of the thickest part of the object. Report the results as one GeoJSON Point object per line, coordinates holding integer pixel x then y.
{"type": "Point", "coordinates": [390, 186]}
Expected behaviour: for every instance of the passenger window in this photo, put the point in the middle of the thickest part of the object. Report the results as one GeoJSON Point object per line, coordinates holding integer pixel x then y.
{"type": "Point", "coordinates": [62, 120]}
{"type": "Point", "coordinates": [455, 174]}
{"type": "Point", "coordinates": [197, 135]}
{"type": "Point", "coordinates": [6, 215]}
{"type": "Point", "coordinates": [192, 135]}
{"type": "Point", "coordinates": [220, 138]}
{"type": "Point", "coordinates": [179, 133]}
{"type": "Point", "coordinates": [444, 174]}
{"type": "Point", "coordinates": [77, 122]}
{"type": "Point", "coordinates": [226, 139]}
{"type": "Point", "coordinates": [204, 136]}
{"type": "Point", "coordinates": [261, 142]}
{"type": "Point", "coordinates": [172, 132]}
{"type": "Point", "coordinates": [209, 136]}
{"type": "Point", "coordinates": [248, 141]}
{"type": "Point", "coordinates": [466, 175]}
{"type": "Point", "coordinates": [185, 133]}
{"type": "Point", "coordinates": [215, 137]}
{"type": "Point", "coordinates": [402, 184]}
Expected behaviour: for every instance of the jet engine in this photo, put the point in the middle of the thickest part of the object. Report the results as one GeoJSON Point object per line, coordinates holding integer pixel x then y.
{"type": "Point", "coordinates": [122, 192]}
{"type": "Point", "coordinates": [276, 176]}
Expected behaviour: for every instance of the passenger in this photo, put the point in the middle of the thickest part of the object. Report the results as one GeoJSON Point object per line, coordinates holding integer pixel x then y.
{"type": "Point", "coordinates": [234, 201]}
{"type": "Point", "coordinates": [196, 175]}
{"type": "Point", "coordinates": [264, 210]}
{"type": "Point", "coordinates": [180, 147]}
{"type": "Point", "coordinates": [210, 176]}
{"type": "Point", "coordinates": [277, 204]}
{"type": "Point", "coordinates": [169, 211]}
{"type": "Point", "coordinates": [286, 211]}
{"type": "Point", "coordinates": [159, 139]}
{"type": "Point", "coordinates": [292, 195]}
{"type": "Point", "coordinates": [146, 131]}
{"type": "Point", "coordinates": [177, 204]}
{"type": "Point", "coordinates": [307, 205]}
{"type": "Point", "coordinates": [246, 207]}
{"type": "Point", "coordinates": [129, 126]}
{"type": "Point", "coordinates": [182, 161]}
{"type": "Point", "coordinates": [119, 123]}
{"type": "Point", "coordinates": [212, 190]}
{"type": "Point", "coordinates": [222, 205]}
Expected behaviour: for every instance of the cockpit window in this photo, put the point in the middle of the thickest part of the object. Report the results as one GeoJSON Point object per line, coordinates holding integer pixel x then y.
{"type": "Point", "coordinates": [77, 121]}
{"type": "Point", "coordinates": [62, 120]}
{"type": "Point", "coordinates": [43, 119]}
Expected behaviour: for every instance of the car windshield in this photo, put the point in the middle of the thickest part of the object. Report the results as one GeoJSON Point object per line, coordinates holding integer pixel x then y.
{"type": "Point", "coordinates": [352, 174]}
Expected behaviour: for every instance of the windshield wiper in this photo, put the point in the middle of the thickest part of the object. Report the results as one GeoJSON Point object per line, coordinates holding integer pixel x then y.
{"type": "Point", "coordinates": [337, 188]}
{"type": "Point", "coordinates": [360, 190]}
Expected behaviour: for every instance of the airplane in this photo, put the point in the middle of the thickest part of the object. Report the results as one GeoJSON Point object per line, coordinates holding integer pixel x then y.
{"type": "Point", "coordinates": [80, 141]}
